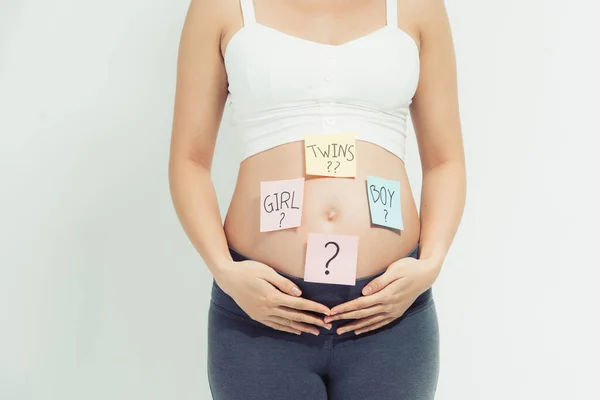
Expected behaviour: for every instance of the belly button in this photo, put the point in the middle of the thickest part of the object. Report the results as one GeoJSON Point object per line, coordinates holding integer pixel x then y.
{"type": "Point", "coordinates": [330, 215]}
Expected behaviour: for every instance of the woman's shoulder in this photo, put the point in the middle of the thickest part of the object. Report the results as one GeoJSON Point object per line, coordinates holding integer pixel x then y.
{"type": "Point", "coordinates": [214, 14]}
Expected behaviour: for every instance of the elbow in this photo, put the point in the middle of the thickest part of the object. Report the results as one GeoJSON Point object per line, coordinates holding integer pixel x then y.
{"type": "Point", "coordinates": [454, 162]}
{"type": "Point", "coordinates": [452, 169]}
{"type": "Point", "coordinates": [179, 159]}
{"type": "Point", "coordinates": [181, 166]}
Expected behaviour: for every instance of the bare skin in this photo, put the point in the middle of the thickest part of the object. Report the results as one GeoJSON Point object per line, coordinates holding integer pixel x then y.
{"type": "Point", "coordinates": [331, 205]}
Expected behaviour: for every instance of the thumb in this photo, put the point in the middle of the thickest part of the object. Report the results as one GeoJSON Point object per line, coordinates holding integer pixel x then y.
{"type": "Point", "coordinates": [379, 283]}
{"type": "Point", "coordinates": [283, 284]}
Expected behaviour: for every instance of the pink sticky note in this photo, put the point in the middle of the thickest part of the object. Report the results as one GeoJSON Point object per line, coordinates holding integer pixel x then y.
{"type": "Point", "coordinates": [331, 259]}
{"type": "Point", "coordinates": [281, 204]}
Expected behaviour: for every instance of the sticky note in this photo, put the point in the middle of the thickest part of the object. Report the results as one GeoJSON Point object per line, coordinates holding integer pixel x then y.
{"type": "Point", "coordinates": [331, 259]}
{"type": "Point", "coordinates": [384, 202]}
{"type": "Point", "coordinates": [330, 154]}
{"type": "Point", "coordinates": [281, 204]}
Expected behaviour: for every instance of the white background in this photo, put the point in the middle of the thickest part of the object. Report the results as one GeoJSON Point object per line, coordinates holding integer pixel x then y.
{"type": "Point", "coordinates": [103, 297]}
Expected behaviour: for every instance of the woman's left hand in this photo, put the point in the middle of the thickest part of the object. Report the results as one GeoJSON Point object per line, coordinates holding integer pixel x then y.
{"type": "Point", "coordinates": [386, 297]}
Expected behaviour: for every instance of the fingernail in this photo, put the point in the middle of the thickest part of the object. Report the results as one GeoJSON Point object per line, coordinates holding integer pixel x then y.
{"type": "Point", "coordinates": [315, 333]}
{"type": "Point", "coordinates": [367, 290]}
{"type": "Point", "coordinates": [329, 326]}
{"type": "Point", "coordinates": [296, 291]}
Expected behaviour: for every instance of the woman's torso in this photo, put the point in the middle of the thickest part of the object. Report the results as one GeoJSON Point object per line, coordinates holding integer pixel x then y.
{"type": "Point", "coordinates": [331, 205]}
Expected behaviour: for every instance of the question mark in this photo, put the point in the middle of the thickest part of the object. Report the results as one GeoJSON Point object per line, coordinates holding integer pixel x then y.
{"type": "Point", "coordinates": [386, 213]}
{"type": "Point", "coordinates": [282, 217]}
{"type": "Point", "coordinates": [328, 165]}
{"type": "Point", "coordinates": [334, 256]}
{"type": "Point", "coordinates": [336, 167]}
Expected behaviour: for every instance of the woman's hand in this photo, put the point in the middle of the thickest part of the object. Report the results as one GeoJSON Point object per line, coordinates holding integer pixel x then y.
{"type": "Point", "coordinates": [270, 298]}
{"type": "Point", "coordinates": [386, 297]}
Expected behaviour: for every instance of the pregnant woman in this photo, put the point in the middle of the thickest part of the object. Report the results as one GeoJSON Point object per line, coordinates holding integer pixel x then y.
{"type": "Point", "coordinates": [309, 80]}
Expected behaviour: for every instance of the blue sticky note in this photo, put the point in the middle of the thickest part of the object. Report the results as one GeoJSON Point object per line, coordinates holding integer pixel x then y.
{"type": "Point", "coordinates": [384, 202]}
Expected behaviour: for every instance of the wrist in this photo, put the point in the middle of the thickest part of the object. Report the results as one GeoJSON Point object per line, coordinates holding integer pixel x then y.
{"type": "Point", "coordinates": [433, 267]}
{"type": "Point", "coordinates": [433, 263]}
{"type": "Point", "coordinates": [433, 257]}
{"type": "Point", "coordinates": [222, 269]}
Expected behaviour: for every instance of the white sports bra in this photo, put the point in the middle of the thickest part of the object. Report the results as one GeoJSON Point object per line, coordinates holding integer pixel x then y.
{"type": "Point", "coordinates": [282, 87]}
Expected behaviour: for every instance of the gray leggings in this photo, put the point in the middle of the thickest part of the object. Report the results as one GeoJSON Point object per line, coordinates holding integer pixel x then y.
{"type": "Point", "coordinates": [251, 361]}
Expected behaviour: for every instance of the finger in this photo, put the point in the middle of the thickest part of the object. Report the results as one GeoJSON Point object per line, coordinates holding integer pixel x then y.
{"type": "Point", "coordinates": [374, 326]}
{"type": "Point", "coordinates": [295, 325]}
{"type": "Point", "coordinates": [358, 303]}
{"type": "Point", "coordinates": [361, 323]}
{"type": "Point", "coordinates": [379, 283]}
{"type": "Point", "coordinates": [280, 327]}
{"type": "Point", "coordinates": [282, 283]}
{"type": "Point", "coordinates": [299, 316]}
{"type": "Point", "coordinates": [300, 303]}
{"type": "Point", "coordinates": [358, 314]}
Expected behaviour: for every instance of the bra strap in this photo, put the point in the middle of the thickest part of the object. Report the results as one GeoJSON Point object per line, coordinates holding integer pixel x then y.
{"type": "Point", "coordinates": [392, 13]}
{"type": "Point", "coordinates": [248, 11]}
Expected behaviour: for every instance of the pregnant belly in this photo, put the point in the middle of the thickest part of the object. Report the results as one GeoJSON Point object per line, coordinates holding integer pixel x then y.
{"type": "Point", "coordinates": [331, 206]}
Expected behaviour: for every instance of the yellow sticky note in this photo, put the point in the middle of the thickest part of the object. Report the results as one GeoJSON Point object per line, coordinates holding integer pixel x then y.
{"type": "Point", "coordinates": [330, 154]}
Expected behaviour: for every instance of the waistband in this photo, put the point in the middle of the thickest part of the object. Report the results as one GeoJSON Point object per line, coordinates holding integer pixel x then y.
{"type": "Point", "coordinates": [327, 294]}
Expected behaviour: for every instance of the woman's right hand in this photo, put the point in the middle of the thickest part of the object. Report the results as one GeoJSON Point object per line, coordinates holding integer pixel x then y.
{"type": "Point", "coordinates": [270, 298]}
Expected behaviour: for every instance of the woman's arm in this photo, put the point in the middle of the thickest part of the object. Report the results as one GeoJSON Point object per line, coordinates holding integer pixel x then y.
{"type": "Point", "coordinates": [258, 289]}
{"type": "Point", "coordinates": [435, 115]}
{"type": "Point", "coordinates": [437, 124]}
{"type": "Point", "coordinates": [201, 92]}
